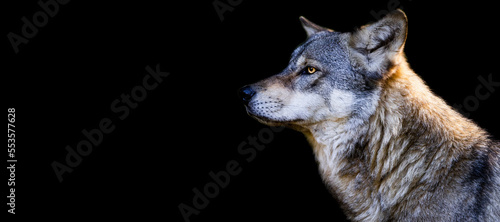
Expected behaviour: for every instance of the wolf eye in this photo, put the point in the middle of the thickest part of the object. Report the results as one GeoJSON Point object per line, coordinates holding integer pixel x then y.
{"type": "Point", "coordinates": [310, 70]}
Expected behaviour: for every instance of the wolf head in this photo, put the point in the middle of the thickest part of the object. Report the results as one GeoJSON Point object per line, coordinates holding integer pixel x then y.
{"type": "Point", "coordinates": [332, 76]}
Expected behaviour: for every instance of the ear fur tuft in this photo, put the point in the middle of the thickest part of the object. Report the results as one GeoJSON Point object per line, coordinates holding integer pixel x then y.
{"type": "Point", "coordinates": [377, 46]}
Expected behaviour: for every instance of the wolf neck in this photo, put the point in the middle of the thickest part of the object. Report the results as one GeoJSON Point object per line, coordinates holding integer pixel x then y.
{"type": "Point", "coordinates": [371, 164]}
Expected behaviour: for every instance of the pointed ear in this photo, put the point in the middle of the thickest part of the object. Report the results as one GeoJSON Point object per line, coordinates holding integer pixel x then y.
{"type": "Point", "coordinates": [311, 28]}
{"type": "Point", "coordinates": [387, 33]}
{"type": "Point", "coordinates": [378, 45]}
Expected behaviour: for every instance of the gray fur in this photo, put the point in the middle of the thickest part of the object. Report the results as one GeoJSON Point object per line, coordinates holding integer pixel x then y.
{"type": "Point", "coordinates": [387, 148]}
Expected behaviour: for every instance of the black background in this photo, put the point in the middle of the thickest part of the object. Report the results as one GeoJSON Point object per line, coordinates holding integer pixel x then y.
{"type": "Point", "coordinates": [64, 80]}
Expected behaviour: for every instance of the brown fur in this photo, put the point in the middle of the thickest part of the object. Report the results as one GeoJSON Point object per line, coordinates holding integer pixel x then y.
{"type": "Point", "coordinates": [405, 171]}
{"type": "Point", "coordinates": [387, 148]}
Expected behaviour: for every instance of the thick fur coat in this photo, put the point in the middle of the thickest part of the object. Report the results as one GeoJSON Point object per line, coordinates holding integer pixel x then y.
{"type": "Point", "coordinates": [387, 148]}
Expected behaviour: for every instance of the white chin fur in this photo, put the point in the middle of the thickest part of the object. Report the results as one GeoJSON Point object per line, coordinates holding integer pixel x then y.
{"type": "Point", "coordinates": [300, 107]}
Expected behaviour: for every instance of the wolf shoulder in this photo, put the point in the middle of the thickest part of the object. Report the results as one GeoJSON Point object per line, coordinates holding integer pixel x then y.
{"type": "Point", "coordinates": [492, 183]}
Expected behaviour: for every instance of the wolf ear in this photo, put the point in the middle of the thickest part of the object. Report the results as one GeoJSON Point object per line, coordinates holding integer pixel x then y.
{"type": "Point", "coordinates": [379, 44]}
{"type": "Point", "coordinates": [311, 28]}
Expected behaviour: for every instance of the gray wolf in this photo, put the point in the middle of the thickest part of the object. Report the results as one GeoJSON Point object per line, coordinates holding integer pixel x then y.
{"type": "Point", "coordinates": [388, 149]}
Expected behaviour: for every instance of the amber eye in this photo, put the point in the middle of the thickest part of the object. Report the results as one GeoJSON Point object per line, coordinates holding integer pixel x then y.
{"type": "Point", "coordinates": [311, 70]}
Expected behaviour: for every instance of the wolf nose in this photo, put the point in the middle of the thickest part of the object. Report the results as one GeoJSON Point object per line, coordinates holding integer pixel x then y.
{"type": "Point", "coordinates": [246, 93]}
